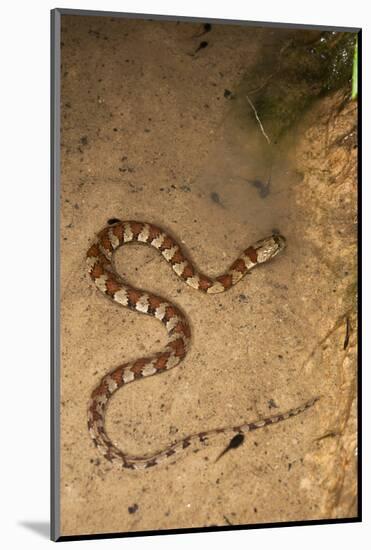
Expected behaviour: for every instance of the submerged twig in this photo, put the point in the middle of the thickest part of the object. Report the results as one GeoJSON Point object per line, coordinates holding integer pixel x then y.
{"type": "Point", "coordinates": [337, 324]}
{"type": "Point", "coordinates": [258, 119]}
{"type": "Point", "coordinates": [227, 520]}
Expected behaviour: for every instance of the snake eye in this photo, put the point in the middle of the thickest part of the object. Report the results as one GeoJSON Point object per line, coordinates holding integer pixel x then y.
{"type": "Point", "coordinates": [112, 221]}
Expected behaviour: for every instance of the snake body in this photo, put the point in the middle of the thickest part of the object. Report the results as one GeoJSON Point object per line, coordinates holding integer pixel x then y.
{"type": "Point", "coordinates": [102, 271]}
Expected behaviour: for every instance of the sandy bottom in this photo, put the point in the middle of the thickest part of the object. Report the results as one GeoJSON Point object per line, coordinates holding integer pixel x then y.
{"type": "Point", "coordinates": [152, 132]}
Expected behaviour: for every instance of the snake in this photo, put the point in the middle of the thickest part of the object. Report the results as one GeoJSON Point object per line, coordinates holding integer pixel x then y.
{"type": "Point", "coordinates": [101, 268]}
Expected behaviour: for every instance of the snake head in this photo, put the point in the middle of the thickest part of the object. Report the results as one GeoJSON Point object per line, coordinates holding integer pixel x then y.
{"type": "Point", "coordinates": [268, 248]}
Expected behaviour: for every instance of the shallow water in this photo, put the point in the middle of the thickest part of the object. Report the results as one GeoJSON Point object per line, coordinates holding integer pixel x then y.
{"type": "Point", "coordinates": [153, 130]}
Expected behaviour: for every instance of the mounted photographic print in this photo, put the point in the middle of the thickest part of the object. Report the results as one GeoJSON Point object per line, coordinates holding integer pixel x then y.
{"type": "Point", "coordinates": [204, 227]}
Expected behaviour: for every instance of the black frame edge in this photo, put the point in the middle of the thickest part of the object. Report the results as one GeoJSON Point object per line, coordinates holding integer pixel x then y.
{"type": "Point", "coordinates": [190, 18]}
{"type": "Point", "coordinates": [55, 282]}
{"type": "Point", "coordinates": [213, 529]}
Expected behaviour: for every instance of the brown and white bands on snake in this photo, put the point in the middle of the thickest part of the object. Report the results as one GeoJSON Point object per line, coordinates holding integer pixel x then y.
{"type": "Point", "coordinates": [102, 271]}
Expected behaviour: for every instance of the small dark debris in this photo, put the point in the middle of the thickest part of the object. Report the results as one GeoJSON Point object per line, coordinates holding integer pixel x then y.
{"type": "Point", "coordinates": [347, 334]}
{"type": "Point", "coordinates": [289, 466]}
{"type": "Point", "coordinates": [96, 33]}
{"type": "Point", "coordinates": [272, 404]}
{"type": "Point", "coordinates": [327, 435]}
{"type": "Point", "coordinates": [128, 169]}
{"type": "Point", "coordinates": [255, 510]}
{"type": "Point", "coordinates": [227, 520]}
{"type": "Point", "coordinates": [84, 140]}
{"type": "Point", "coordinates": [115, 129]}
{"type": "Point", "coordinates": [76, 206]}
{"type": "Point", "coordinates": [215, 198]}
{"type": "Point", "coordinates": [243, 298]}
{"type": "Point", "coordinates": [133, 509]}
{"type": "Point", "coordinates": [228, 94]}
{"type": "Point", "coordinates": [185, 188]}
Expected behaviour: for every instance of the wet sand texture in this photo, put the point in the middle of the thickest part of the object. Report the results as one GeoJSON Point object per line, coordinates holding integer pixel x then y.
{"type": "Point", "coordinates": [152, 131]}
